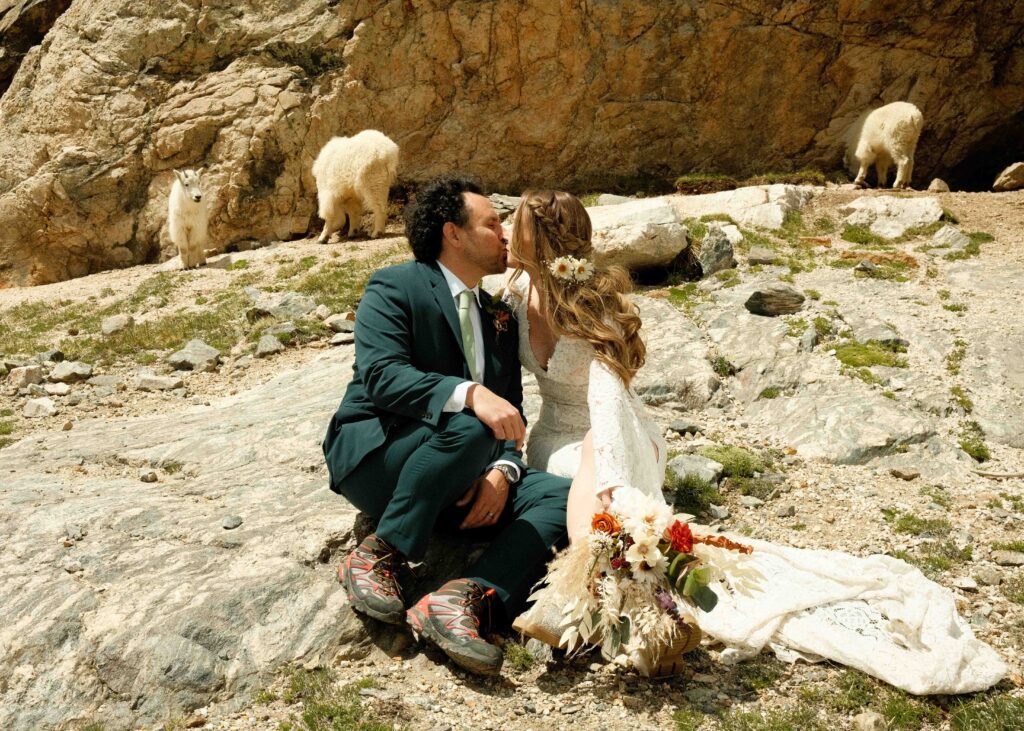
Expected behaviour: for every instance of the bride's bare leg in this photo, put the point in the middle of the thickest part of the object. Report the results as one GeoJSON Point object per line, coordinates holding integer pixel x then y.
{"type": "Point", "coordinates": [583, 502]}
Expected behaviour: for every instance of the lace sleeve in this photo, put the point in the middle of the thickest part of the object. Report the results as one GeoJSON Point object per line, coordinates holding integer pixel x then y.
{"type": "Point", "coordinates": [614, 428]}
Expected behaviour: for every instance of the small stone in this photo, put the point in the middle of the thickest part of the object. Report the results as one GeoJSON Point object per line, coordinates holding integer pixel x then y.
{"type": "Point", "coordinates": [762, 255]}
{"type": "Point", "coordinates": [907, 475]}
{"type": "Point", "coordinates": [869, 721]}
{"type": "Point", "coordinates": [75, 399]}
{"type": "Point", "coordinates": [718, 512]}
{"type": "Point", "coordinates": [343, 339]}
{"type": "Point", "coordinates": [1011, 178]}
{"type": "Point", "coordinates": [151, 382]}
{"type": "Point", "coordinates": [57, 389]}
{"type": "Point", "coordinates": [71, 371]}
{"type": "Point", "coordinates": [681, 426]}
{"type": "Point", "coordinates": [195, 721]}
{"type": "Point", "coordinates": [966, 583]}
{"type": "Point", "coordinates": [38, 408]}
{"type": "Point", "coordinates": [322, 312]}
{"type": "Point", "coordinates": [571, 709]}
{"type": "Point", "coordinates": [286, 329]}
{"type": "Point", "coordinates": [808, 340]}
{"type": "Point", "coordinates": [105, 380]}
{"type": "Point", "coordinates": [147, 474]}
{"type": "Point", "coordinates": [988, 575]}
{"type": "Point", "coordinates": [865, 266]}
{"type": "Point", "coordinates": [775, 299]}
{"type": "Point", "coordinates": [116, 323]}
{"type": "Point", "coordinates": [25, 376]}
{"type": "Point", "coordinates": [72, 565]}
{"type": "Point", "coordinates": [695, 465]}
{"type": "Point", "coordinates": [195, 356]}
{"type": "Point", "coordinates": [786, 512]}
{"type": "Point", "coordinates": [268, 345]}
{"type": "Point", "coordinates": [1008, 558]}
{"type": "Point", "coordinates": [952, 237]}
{"type": "Point", "coordinates": [34, 389]}
{"type": "Point", "coordinates": [750, 501]}
{"type": "Point", "coordinates": [50, 356]}
{"type": "Point", "coordinates": [231, 522]}
{"type": "Point", "coordinates": [938, 185]}
{"type": "Point", "coordinates": [340, 324]}
{"type": "Point", "coordinates": [68, 425]}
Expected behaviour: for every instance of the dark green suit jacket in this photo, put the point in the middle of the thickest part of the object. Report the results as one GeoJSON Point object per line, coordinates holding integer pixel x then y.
{"type": "Point", "coordinates": [409, 359]}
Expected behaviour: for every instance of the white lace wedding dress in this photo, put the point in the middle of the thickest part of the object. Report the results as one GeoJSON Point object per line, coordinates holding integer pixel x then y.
{"type": "Point", "coordinates": [877, 614]}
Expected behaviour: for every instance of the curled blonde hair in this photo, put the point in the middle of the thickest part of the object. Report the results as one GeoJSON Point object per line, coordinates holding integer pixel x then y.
{"type": "Point", "coordinates": [596, 310]}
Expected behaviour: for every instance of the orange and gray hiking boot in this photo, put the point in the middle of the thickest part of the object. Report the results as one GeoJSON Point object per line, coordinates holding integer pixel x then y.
{"type": "Point", "coordinates": [451, 618]}
{"type": "Point", "coordinates": [368, 575]}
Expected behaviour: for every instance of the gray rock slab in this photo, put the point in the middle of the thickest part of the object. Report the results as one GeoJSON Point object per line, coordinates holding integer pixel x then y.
{"type": "Point", "coordinates": [697, 466]}
{"type": "Point", "coordinates": [609, 199]}
{"type": "Point", "coordinates": [57, 389]}
{"type": "Point", "coordinates": [763, 206]}
{"type": "Point", "coordinates": [890, 217]}
{"type": "Point", "coordinates": [108, 381]}
{"type": "Point", "coordinates": [714, 253]}
{"type": "Point", "coordinates": [168, 613]}
{"type": "Point", "coordinates": [71, 371]}
{"type": "Point", "coordinates": [677, 368]}
{"type": "Point", "coordinates": [195, 356]}
{"type": "Point", "coordinates": [638, 234]}
{"type": "Point", "coordinates": [340, 323]}
{"type": "Point", "coordinates": [283, 305]}
{"type": "Point", "coordinates": [762, 255]}
{"type": "Point", "coordinates": [1008, 558]}
{"type": "Point", "coordinates": [952, 237]}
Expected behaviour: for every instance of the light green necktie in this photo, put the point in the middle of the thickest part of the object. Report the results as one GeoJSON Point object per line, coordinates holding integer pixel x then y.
{"type": "Point", "coordinates": [466, 326]}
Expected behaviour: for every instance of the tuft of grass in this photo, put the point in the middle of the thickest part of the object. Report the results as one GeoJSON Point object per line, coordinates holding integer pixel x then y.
{"type": "Point", "coordinates": [688, 718]}
{"type": "Point", "coordinates": [795, 327]}
{"type": "Point", "coordinates": [760, 674]}
{"type": "Point", "coordinates": [972, 441]}
{"type": "Point", "coordinates": [824, 327]}
{"type": "Point", "coordinates": [937, 495]}
{"type": "Point", "coordinates": [800, 177]}
{"type": "Point", "coordinates": [903, 713]}
{"type": "Point", "coordinates": [237, 265]}
{"type": "Point", "coordinates": [721, 366]}
{"type": "Point", "coordinates": [949, 217]}
{"type": "Point", "coordinates": [804, 718]}
{"type": "Point", "coordinates": [735, 461]}
{"type": "Point", "coordinates": [955, 307]}
{"type": "Point", "coordinates": [325, 706]}
{"type": "Point", "coordinates": [1009, 546]}
{"type": "Point", "coordinates": [944, 294]}
{"type": "Point", "coordinates": [961, 399]}
{"type": "Point", "coordinates": [992, 713]}
{"type": "Point", "coordinates": [696, 183]}
{"type": "Point", "coordinates": [792, 227]}
{"type": "Point", "coordinates": [864, 355]}
{"type": "Point", "coordinates": [972, 249]}
{"type": "Point", "coordinates": [861, 235]}
{"type": "Point", "coordinates": [861, 374]}
{"type": "Point", "coordinates": [956, 357]}
{"type": "Point", "coordinates": [935, 558]}
{"type": "Point", "coordinates": [265, 697]}
{"type": "Point", "coordinates": [916, 526]}
{"type": "Point", "coordinates": [518, 657]}
{"type": "Point", "coordinates": [729, 277]}
{"type": "Point", "coordinates": [770, 392]}
{"type": "Point", "coordinates": [292, 269]}
{"type": "Point", "coordinates": [686, 297]}
{"type": "Point", "coordinates": [340, 286]}
{"type": "Point", "coordinates": [754, 486]}
{"type": "Point", "coordinates": [690, 493]}
{"type": "Point", "coordinates": [824, 225]}
{"type": "Point", "coordinates": [812, 294]}
{"type": "Point", "coordinates": [724, 217]}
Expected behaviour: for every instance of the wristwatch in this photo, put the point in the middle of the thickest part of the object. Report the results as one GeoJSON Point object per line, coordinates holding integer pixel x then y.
{"type": "Point", "coordinates": [510, 474]}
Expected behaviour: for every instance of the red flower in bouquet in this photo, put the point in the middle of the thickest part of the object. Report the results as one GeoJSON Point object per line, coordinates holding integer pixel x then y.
{"type": "Point", "coordinates": [681, 537]}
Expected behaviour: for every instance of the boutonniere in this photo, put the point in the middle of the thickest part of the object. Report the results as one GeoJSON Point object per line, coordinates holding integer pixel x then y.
{"type": "Point", "coordinates": [497, 309]}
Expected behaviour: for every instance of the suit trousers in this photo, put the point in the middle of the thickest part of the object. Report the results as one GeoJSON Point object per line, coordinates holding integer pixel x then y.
{"type": "Point", "coordinates": [417, 475]}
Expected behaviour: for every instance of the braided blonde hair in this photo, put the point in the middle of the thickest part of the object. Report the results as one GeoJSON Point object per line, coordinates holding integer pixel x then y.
{"type": "Point", "coordinates": [596, 310]}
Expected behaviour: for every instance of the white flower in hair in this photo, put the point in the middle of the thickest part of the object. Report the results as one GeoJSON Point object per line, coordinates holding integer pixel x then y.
{"type": "Point", "coordinates": [584, 270]}
{"type": "Point", "coordinates": [562, 267]}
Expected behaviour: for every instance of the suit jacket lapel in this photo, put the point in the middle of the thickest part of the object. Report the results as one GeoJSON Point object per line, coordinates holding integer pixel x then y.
{"type": "Point", "coordinates": [445, 301]}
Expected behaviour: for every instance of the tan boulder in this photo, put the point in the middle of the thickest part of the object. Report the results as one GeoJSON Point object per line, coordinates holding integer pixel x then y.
{"type": "Point", "coordinates": [586, 96]}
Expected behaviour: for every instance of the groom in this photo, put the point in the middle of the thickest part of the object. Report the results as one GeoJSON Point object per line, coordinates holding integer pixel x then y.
{"type": "Point", "coordinates": [431, 427]}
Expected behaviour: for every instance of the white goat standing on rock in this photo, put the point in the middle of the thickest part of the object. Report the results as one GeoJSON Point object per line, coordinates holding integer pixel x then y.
{"type": "Point", "coordinates": [187, 218]}
{"type": "Point", "coordinates": [882, 137]}
{"type": "Point", "coordinates": [353, 172]}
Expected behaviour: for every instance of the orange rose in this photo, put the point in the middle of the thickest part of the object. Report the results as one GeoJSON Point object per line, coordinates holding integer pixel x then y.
{"type": "Point", "coordinates": [605, 523]}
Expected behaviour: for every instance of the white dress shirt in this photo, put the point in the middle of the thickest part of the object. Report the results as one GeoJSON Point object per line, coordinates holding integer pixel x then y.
{"type": "Point", "coordinates": [457, 401]}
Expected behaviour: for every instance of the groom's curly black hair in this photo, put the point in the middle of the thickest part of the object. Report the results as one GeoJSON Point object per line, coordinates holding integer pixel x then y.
{"type": "Point", "coordinates": [435, 204]}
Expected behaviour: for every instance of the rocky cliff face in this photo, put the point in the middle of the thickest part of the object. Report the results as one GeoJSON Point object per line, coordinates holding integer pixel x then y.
{"type": "Point", "coordinates": [558, 93]}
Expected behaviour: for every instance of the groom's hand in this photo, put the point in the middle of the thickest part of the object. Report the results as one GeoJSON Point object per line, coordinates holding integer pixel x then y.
{"type": "Point", "coordinates": [498, 414]}
{"type": "Point", "coordinates": [489, 494]}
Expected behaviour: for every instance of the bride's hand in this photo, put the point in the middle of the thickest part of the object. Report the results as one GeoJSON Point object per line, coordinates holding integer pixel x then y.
{"type": "Point", "coordinates": [498, 414]}
{"type": "Point", "coordinates": [490, 492]}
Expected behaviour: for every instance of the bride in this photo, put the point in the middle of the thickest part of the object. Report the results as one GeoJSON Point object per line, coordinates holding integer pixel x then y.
{"type": "Point", "coordinates": [580, 336]}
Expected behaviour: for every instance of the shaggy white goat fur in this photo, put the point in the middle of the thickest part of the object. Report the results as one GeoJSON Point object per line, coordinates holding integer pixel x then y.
{"type": "Point", "coordinates": [352, 173]}
{"type": "Point", "coordinates": [882, 137]}
{"type": "Point", "coordinates": [187, 218]}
